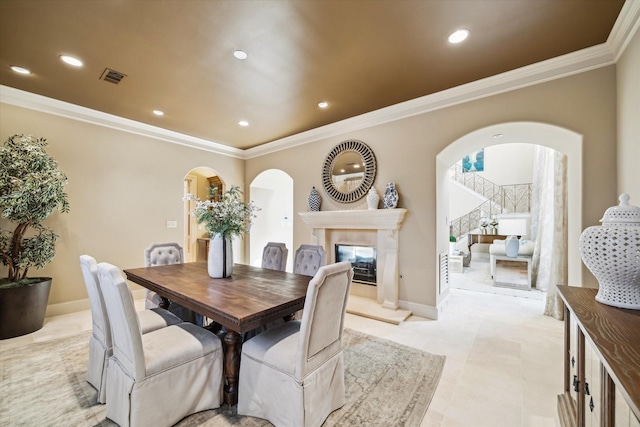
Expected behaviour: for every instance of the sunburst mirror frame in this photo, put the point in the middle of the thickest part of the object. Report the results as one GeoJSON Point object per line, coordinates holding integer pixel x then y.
{"type": "Point", "coordinates": [368, 162]}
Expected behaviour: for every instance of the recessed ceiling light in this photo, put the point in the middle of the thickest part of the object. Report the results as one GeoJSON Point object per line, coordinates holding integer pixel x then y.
{"type": "Point", "coordinates": [240, 54]}
{"type": "Point", "coordinates": [158, 112]}
{"type": "Point", "coordinates": [71, 60]}
{"type": "Point", "coordinates": [323, 104]}
{"type": "Point", "coordinates": [20, 70]}
{"type": "Point", "coordinates": [243, 123]}
{"type": "Point", "coordinates": [357, 166]}
{"type": "Point", "coordinates": [458, 35]}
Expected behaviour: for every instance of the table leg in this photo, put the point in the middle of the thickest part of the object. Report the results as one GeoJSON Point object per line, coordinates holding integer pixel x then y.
{"type": "Point", "coordinates": [231, 350]}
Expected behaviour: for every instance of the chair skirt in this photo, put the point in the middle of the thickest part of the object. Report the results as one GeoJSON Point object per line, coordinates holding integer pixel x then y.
{"type": "Point", "coordinates": [277, 396]}
{"type": "Point", "coordinates": [97, 367]}
{"type": "Point", "coordinates": [158, 401]}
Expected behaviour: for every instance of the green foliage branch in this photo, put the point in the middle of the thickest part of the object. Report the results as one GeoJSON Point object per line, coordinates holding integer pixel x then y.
{"type": "Point", "coordinates": [31, 188]}
{"type": "Point", "coordinates": [227, 215]}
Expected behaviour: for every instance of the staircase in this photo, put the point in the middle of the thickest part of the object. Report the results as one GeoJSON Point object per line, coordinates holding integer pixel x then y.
{"type": "Point", "coordinates": [515, 198]}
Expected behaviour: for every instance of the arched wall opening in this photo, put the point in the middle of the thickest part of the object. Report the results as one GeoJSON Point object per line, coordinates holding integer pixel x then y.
{"type": "Point", "coordinates": [272, 192]}
{"type": "Point", "coordinates": [563, 140]}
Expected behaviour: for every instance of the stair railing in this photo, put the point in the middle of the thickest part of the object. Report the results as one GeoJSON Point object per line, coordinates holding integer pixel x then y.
{"type": "Point", "coordinates": [515, 198]}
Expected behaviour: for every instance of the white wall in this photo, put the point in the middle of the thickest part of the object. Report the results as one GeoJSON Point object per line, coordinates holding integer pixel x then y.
{"type": "Point", "coordinates": [628, 91]}
{"type": "Point", "coordinates": [508, 164]}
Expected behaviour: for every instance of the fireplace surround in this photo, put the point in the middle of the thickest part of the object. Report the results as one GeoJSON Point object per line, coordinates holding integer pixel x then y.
{"type": "Point", "coordinates": [370, 228]}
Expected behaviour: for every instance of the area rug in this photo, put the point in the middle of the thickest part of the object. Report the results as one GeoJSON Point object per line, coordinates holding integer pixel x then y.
{"type": "Point", "coordinates": [387, 384]}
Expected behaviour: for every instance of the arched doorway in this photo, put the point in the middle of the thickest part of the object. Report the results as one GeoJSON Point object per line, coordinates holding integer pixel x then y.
{"type": "Point", "coordinates": [197, 182]}
{"type": "Point", "coordinates": [563, 140]}
{"type": "Point", "coordinates": [272, 192]}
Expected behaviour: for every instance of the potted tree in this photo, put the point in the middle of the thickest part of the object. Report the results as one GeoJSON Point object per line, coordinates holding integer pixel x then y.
{"type": "Point", "coordinates": [31, 188]}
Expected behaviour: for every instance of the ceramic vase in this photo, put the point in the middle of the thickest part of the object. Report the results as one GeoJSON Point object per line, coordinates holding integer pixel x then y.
{"type": "Point", "coordinates": [612, 253]}
{"type": "Point", "coordinates": [390, 199]}
{"type": "Point", "coordinates": [511, 246]}
{"type": "Point", "coordinates": [373, 199]}
{"type": "Point", "coordinates": [220, 259]}
{"type": "Point", "coordinates": [314, 200]}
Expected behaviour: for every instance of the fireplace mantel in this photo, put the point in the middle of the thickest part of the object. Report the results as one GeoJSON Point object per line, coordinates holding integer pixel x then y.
{"type": "Point", "coordinates": [327, 226]}
{"type": "Point", "coordinates": [386, 219]}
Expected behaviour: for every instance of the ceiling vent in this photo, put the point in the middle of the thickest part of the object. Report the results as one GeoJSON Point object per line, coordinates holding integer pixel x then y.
{"type": "Point", "coordinates": [112, 76]}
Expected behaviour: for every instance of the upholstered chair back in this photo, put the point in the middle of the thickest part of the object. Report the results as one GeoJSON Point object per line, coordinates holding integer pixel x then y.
{"type": "Point", "coordinates": [100, 340]}
{"type": "Point", "coordinates": [274, 256]}
{"type": "Point", "coordinates": [125, 328]}
{"type": "Point", "coordinates": [99, 319]}
{"type": "Point", "coordinates": [308, 259]}
{"type": "Point", "coordinates": [163, 254]}
{"type": "Point", "coordinates": [323, 317]}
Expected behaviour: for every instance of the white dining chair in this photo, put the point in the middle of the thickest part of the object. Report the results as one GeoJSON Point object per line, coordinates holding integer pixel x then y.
{"type": "Point", "coordinates": [293, 375]}
{"type": "Point", "coordinates": [308, 259]}
{"type": "Point", "coordinates": [274, 256]}
{"type": "Point", "coordinates": [100, 343]}
{"type": "Point", "coordinates": [158, 378]}
{"type": "Point", "coordinates": [167, 254]}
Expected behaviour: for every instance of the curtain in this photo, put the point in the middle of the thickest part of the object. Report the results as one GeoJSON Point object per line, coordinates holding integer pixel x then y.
{"type": "Point", "coordinates": [549, 226]}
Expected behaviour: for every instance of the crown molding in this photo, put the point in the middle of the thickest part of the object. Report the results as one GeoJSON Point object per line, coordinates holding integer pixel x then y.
{"type": "Point", "coordinates": [624, 28]}
{"type": "Point", "coordinates": [551, 69]}
{"type": "Point", "coordinates": [32, 101]}
{"type": "Point", "coordinates": [577, 62]}
{"type": "Point", "coordinates": [572, 63]}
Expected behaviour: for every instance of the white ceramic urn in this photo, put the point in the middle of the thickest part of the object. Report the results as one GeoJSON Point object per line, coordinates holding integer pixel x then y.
{"type": "Point", "coordinates": [612, 253]}
{"type": "Point", "coordinates": [373, 199]}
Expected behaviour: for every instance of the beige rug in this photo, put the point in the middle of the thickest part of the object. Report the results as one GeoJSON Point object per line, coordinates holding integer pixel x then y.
{"type": "Point", "coordinates": [387, 384]}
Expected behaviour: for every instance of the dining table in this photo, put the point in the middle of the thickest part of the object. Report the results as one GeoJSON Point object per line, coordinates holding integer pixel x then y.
{"type": "Point", "coordinates": [248, 299]}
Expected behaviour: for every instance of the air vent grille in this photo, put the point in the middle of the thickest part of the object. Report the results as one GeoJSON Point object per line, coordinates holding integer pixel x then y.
{"type": "Point", "coordinates": [112, 76]}
{"type": "Point", "coordinates": [444, 271]}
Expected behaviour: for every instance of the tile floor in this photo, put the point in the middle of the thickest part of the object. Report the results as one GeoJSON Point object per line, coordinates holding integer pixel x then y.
{"type": "Point", "coordinates": [504, 357]}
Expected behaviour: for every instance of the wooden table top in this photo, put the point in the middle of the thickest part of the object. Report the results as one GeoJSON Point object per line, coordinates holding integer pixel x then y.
{"type": "Point", "coordinates": [251, 297]}
{"type": "Point", "coordinates": [614, 334]}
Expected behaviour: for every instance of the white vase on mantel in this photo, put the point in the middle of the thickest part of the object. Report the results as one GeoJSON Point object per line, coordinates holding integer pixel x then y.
{"type": "Point", "coordinates": [220, 259]}
{"type": "Point", "coordinates": [373, 199]}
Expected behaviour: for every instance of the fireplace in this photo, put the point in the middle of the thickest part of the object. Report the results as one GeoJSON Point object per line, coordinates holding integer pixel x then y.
{"type": "Point", "coordinates": [370, 228]}
{"type": "Point", "coordinates": [363, 261]}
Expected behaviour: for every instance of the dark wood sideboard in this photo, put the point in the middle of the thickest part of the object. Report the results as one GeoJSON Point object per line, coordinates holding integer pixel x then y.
{"type": "Point", "coordinates": [601, 362]}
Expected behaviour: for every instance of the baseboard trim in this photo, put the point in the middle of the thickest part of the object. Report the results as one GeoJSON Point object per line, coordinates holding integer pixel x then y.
{"type": "Point", "coordinates": [422, 310]}
{"type": "Point", "coordinates": [81, 305]}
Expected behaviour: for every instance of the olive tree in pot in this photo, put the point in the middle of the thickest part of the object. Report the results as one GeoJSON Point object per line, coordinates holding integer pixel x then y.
{"type": "Point", "coordinates": [31, 188]}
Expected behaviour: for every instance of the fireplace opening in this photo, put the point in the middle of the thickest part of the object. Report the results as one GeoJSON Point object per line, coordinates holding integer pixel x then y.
{"type": "Point", "coordinates": [363, 261]}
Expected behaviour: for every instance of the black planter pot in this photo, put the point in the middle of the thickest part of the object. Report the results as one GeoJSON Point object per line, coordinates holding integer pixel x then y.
{"type": "Point", "coordinates": [22, 309]}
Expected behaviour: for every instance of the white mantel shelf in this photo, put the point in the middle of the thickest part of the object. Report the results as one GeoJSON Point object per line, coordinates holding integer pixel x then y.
{"type": "Point", "coordinates": [383, 219]}
{"type": "Point", "coordinates": [328, 227]}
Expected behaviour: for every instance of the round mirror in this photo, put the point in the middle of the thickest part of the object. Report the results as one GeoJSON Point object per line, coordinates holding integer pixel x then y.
{"type": "Point", "coordinates": [349, 171]}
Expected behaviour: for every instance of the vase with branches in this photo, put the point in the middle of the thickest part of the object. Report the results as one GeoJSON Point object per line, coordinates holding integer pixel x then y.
{"type": "Point", "coordinates": [223, 218]}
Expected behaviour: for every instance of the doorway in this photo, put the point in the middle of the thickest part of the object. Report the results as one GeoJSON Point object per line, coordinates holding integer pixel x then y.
{"type": "Point", "coordinates": [272, 192]}
{"type": "Point", "coordinates": [563, 140]}
{"type": "Point", "coordinates": [197, 182]}
{"type": "Point", "coordinates": [488, 204]}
